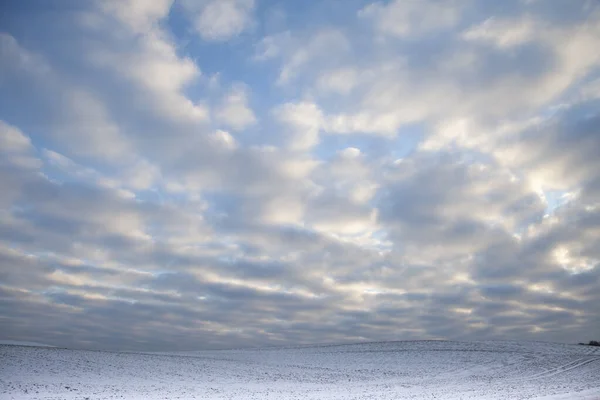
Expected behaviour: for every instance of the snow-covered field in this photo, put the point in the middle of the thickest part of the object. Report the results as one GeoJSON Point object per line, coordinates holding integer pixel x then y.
{"type": "Point", "coordinates": [391, 370]}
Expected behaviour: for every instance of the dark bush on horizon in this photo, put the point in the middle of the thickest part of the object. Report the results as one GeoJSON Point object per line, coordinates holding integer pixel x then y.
{"type": "Point", "coordinates": [591, 343]}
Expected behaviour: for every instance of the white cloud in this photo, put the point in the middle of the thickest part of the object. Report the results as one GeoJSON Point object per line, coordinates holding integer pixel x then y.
{"type": "Point", "coordinates": [414, 17]}
{"type": "Point", "coordinates": [383, 123]}
{"type": "Point", "coordinates": [221, 20]}
{"type": "Point", "coordinates": [139, 15]}
{"type": "Point", "coordinates": [78, 119]}
{"type": "Point", "coordinates": [340, 81]}
{"type": "Point", "coordinates": [552, 152]}
{"type": "Point", "coordinates": [272, 46]}
{"type": "Point", "coordinates": [457, 80]}
{"type": "Point", "coordinates": [502, 33]}
{"type": "Point", "coordinates": [350, 153]}
{"type": "Point", "coordinates": [157, 66]}
{"type": "Point", "coordinates": [301, 54]}
{"type": "Point", "coordinates": [145, 54]}
{"type": "Point", "coordinates": [224, 140]}
{"type": "Point", "coordinates": [283, 210]}
{"type": "Point", "coordinates": [90, 129]}
{"type": "Point", "coordinates": [13, 140]}
{"type": "Point", "coordinates": [301, 123]}
{"type": "Point", "coordinates": [340, 205]}
{"type": "Point", "coordinates": [234, 111]}
{"type": "Point", "coordinates": [141, 175]}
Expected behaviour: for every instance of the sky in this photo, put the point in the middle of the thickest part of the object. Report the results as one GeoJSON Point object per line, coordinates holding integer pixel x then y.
{"type": "Point", "coordinates": [185, 175]}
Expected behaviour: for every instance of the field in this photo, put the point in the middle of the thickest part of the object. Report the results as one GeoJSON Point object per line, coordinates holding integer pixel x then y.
{"type": "Point", "coordinates": [388, 370]}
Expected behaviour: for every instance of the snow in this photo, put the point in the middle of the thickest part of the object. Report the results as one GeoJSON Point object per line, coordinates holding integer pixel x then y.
{"type": "Point", "coordinates": [387, 370]}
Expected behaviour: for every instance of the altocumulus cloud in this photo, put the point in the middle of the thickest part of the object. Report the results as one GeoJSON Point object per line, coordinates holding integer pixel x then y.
{"type": "Point", "coordinates": [185, 175]}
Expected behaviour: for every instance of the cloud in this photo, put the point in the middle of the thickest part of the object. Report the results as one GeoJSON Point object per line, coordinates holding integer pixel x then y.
{"type": "Point", "coordinates": [19, 162]}
{"type": "Point", "coordinates": [406, 18]}
{"type": "Point", "coordinates": [554, 152]}
{"type": "Point", "coordinates": [338, 179]}
{"type": "Point", "coordinates": [234, 111]}
{"type": "Point", "coordinates": [139, 16]}
{"type": "Point", "coordinates": [151, 60]}
{"type": "Point", "coordinates": [339, 81]}
{"type": "Point", "coordinates": [302, 122]}
{"type": "Point", "coordinates": [221, 20]}
{"type": "Point", "coordinates": [454, 208]}
{"type": "Point", "coordinates": [325, 47]}
{"type": "Point", "coordinates": [17, 58]}
{"type": "Point", "coordinates": [504, 34]}
{"type": "Point", "coordinates": [13, 140]}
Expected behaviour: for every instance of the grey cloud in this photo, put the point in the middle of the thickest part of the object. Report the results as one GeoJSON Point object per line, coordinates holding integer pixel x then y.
{"type": "Point", "coordinates": [501, 291]}
{"type": "Point", "coordinates": [568, 144]}
{"type": "Point", "coordinates": [453, 202]}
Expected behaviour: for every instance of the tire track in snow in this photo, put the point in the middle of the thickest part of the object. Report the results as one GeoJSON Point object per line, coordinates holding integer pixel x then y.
{"type": "Point", "coordinates": [559, 370]}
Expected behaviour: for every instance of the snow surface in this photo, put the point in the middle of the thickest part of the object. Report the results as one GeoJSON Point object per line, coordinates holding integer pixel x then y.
{"type": "Point", "coordinates": [390, 370]}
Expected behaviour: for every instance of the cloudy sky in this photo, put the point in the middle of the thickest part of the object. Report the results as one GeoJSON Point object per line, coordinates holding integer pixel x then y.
{"type": "Point", "coordinates": [182, 174]}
